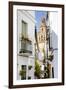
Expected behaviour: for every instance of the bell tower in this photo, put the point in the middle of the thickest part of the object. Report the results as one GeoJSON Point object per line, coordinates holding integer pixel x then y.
{"type": "Point", "coordinates": [42, 31]}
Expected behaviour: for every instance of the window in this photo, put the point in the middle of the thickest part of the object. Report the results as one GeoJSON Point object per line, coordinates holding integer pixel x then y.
{"type": "Point", "coordinates": [26, 47]}
{"type": "Point", "coordinates": [24, 34]}
{"type": "Point", "coordinates": [23, 46]}
{"type": "Point", "coordinates": [24, 28]}
{"type": "Point", "coordinates": [26, 44]}
{"type": "Point", "coordinates": [23, 68]}
{"type": "Point", "coordinates": [42, 29]}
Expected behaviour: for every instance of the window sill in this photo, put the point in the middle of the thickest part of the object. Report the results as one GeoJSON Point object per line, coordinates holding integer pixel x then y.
{"type": "Point", "coordinates": [25, 55]}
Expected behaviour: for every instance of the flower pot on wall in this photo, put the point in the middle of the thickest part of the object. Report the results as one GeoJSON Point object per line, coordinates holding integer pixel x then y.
{"type": "Point", "coordinates": [29, 67]}
{"type": "Point", "coordinates": [50, 57]}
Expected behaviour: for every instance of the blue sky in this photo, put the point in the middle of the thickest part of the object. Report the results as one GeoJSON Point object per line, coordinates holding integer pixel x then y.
{"type": "Point", "coordinates": [38, 16]}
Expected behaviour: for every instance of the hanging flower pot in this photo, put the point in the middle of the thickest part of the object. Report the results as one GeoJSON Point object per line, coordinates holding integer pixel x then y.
{"type": "Point", "coordinates": [29, 67]}
{"type": "Point", "coordinates": [50, 57]}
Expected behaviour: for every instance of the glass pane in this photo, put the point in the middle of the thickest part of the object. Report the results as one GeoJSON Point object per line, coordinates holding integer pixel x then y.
{"type": "Point", "coordinates": [24, 28]}
{"type": "Point", "coordinates": [23, 72]}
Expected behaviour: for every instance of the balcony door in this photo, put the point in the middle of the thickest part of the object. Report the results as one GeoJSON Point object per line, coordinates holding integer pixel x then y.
{"type": "Point", "coordinates": [24, 35]}
{"type": "Point", "coordinates": [24, 29]}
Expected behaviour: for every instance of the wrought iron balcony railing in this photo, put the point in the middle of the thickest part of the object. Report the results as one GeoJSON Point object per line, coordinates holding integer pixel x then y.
{"type": "Point", "coordinates": [26, 46]}
{"type": "Point", "coordinates": [25, 51]}
{"type": "Point", "coordinates": [25, 39]}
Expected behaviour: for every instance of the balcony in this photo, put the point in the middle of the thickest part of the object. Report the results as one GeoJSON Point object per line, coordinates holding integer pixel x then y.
{"type": "Point", "coordinates": [26, 46]}
{"type": "Point", "coordinates": [25, 51]}
{"type": "Point", "coordinates": [26, 39]}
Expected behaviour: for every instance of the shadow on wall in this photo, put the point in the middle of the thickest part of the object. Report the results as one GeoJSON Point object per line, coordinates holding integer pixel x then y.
{"type": "Point", "coordinates": [55, 52]}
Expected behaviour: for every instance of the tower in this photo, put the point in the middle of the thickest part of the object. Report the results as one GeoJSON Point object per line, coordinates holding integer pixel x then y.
{"type": "Point", "coordinates": [41, 35]}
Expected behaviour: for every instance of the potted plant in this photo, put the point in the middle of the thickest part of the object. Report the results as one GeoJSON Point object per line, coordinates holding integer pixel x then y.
{"type": "Point", "coordinates": [50, 57]}
{"type": "Point", "coordinates": [29, 67]}
{"type": "Point", "coordinates": [22, 73]}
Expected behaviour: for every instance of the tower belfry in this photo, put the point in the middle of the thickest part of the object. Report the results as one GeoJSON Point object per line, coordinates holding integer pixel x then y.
{"type": "Point", "coordinates": [42, 31]}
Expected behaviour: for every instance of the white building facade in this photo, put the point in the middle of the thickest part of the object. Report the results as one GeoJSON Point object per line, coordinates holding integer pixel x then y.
{"type": "Point", "coordinates": [53, 23]}
{"type": "Point", "coordinates": [25, 40]}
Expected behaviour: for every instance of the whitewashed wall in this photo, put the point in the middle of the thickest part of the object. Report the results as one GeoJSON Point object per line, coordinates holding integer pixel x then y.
{"type": "Point", "coordinates": [29, 18]}
{"type": "Point", "coordinates": [53, 18]}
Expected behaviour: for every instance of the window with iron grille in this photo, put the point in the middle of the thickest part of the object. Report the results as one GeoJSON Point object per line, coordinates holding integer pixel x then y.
{"type": "Point", "coordinates": [26, 44]}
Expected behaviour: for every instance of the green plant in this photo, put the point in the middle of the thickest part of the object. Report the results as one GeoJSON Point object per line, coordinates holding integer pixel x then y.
{"type": "Point", "coordinates": [29, 67]}
{"type": "Point", "coordinates": [44, 55]}
{"type": "Point", "coordinates": [37, 69]}
{"type": "Point", "coordinates": [22, 72]}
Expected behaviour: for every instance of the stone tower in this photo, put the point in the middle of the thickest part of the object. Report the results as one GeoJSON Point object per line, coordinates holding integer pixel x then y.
{"type": "Point", "coordinates": [41, 35]}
